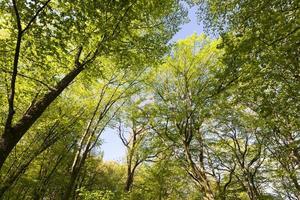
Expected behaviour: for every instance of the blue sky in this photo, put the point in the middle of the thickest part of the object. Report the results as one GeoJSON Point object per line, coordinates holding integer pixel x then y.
{"type": "Point", "coordinates": [189, 28]}
{"type": "Point", "coordinates": [112, 146]}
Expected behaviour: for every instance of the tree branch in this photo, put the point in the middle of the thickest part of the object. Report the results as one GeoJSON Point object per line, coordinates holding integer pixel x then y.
{"type": "Point", "coordinates": [31, 78]}
{"type": "Point", "coordinates": [35, 16]}
{"type": "Point", "coordinates": [11, 97]}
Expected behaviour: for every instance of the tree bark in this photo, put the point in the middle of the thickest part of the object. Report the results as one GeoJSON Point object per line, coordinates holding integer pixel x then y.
{"type": "Point", "coordinates": [11, 136]}
{"type": "Point", "coordinates": [71, 185]}
{"type": "Point", "coordinates": [129, 180]}
{"type": "Point", "coordinates": [198, 174]}
{"type": "Point", "coordinates": [78, 163]}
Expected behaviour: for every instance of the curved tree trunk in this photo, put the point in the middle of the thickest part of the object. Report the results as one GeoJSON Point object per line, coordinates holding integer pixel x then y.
{"type": "Point", "coordinates": [198, 174]}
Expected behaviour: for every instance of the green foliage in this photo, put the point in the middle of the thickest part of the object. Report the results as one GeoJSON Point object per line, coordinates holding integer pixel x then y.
{"type": "Point", "coordinates": [164, 180]}
{"type": "Point", "coordinates": [201, 119]}
{"type": "Point", "coordinates": [91, 195]}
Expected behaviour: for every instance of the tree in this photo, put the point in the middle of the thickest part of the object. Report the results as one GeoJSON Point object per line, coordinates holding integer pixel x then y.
{"type": "Point", "coordinates": [53, 134]}
{"type": "Point", "coordinates": [134, 134]}
{"type": "Point", "coordinates": [183, 96]}
{"type": "Point", "coordinates": [40, 39]}
{"type": "Point", "coordinates": [259, 39]}
{"type": "Point", "coordinates": [260, 44]}
{"type": "Point", "coordinates": [111, 97]}
{"type": "Point", "coordinates": [164, 179]}
{"type": "Point", "coordinates": [237, 152]}
{"type": "Point", "coordinates": [56, 130]}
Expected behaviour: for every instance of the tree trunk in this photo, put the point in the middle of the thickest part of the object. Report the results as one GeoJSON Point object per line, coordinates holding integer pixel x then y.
{"type": "Point", "coordinates": [12, 135]}
{"type": "Point", "coordinates": [198, 174]}
{"type": "Point", "coordinates": [78, 163]}
{"type": "Point", "coordinates": [129, 182]}
{"type": "Point", "coordinates": [70, 188]}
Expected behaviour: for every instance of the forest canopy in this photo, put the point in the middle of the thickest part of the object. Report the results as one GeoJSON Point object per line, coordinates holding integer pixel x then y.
{"type": "Point", "coordinates": [214, 116]}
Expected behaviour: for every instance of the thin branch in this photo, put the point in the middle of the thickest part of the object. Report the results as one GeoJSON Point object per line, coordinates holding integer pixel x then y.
{"type": "Point", "coordinates": [18, 18]}
{"type": "Point", "coordinates": [35, 16]}
{"type": "Point", "coordinates": [31, 78]}
{"type": "Point", "coordinates": [11, 97]}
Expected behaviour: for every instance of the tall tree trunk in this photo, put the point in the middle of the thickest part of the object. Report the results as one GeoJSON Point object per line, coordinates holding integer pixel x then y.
{"type": "Point", "coordinates": [130, 175]}
{"type": "Point", "coordinates": [129, 178]}
{"type": "Point", "coordinates": [71, 185]}
{"type": "Point", "coordinates": [129, 181]}
{"type": "Point", "coordinates": [198, 174]}
{"type": "Point", "coordinates": [78, 163]}
{"type": "Point", "coordinates": [11, 136]}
